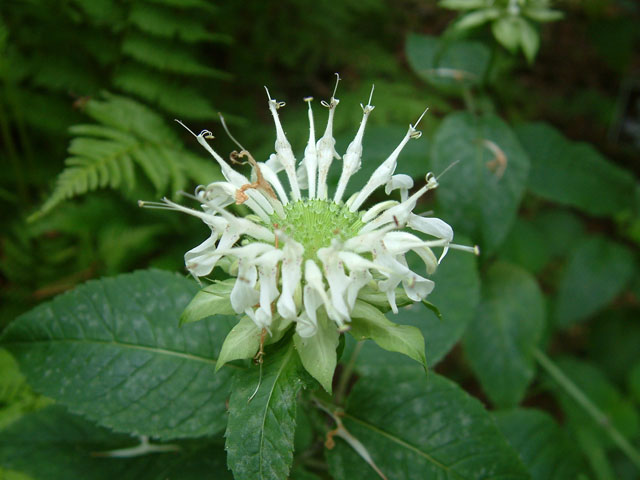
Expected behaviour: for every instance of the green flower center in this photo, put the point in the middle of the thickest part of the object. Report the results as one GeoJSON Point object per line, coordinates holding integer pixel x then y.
{"type": "Point", "coordinates": [315, 223]}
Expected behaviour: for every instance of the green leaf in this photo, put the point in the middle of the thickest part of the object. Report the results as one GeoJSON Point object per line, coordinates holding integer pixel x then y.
{"type": "Point", "coordinates": [52, 444]}
{"type": "Point", "coordinates": [475, 19]}
{"type": "Point", "coordinates": [456, 295]}
{"type": "Point", "coordinates": [369, 322]}
{"type": "Point", "coordinates": [481, 194]}
{"type": "Point", "coordinates": [260, 432]}
{"type": "Point", "coordinates": [420, 428]}
{"type": "Point", "coordinates": [13, 475]}
{"type": "Point", "coordinates": [574, 174]}
{"type": "Point", "coordinates": [633, 382]}
{"type": "Point", "coordinates": [318, 353]}
{"type": "Point", "coordinates": [543, 447]}
{"type": "Point", "coordinates": [560, 229]}
{"type": "Point", "coordinates": [529, 40]}
{"type": "Point", "coordinates": [243, 341]}
{"type": "Point", "coordinates": [112, 351]}
{"type": "Point", "coordinates": [507, 32]}
{"type": "Point", "coordinates": [597, 271]}
{"type": "Point", "coordinates": [508, 325]}
{"type": "Point", "coordinates": [542, 14]}
{"type": "Point", "coordinates": [447, 64]}
{"type": "Point", "coordinates": [16, 398]}
{"type": "Point", "coordinates": [526, 246]}
{"type": "Point", "coordinates": [211, 300]}
{"type": "Point", "coordinates": [463, 4]}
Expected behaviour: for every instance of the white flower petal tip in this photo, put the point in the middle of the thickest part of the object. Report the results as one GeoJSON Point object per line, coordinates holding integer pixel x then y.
{"type": "Point", "coordinates": [298, 249]}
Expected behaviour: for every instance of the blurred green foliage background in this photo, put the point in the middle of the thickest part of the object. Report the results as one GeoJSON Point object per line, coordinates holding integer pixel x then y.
{"type": "Point", "coordinates": [89, 90]}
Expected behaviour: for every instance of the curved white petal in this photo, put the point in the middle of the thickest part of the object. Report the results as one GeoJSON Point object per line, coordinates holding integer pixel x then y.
{"type": "Point", "coordinates": [291, 276]}
{"type": "Point", "coordinates": [338, 281]}
{"type": "Point", "coordinates": [305, 326]}
{"type": "Point", "coordinates": [244, 295]}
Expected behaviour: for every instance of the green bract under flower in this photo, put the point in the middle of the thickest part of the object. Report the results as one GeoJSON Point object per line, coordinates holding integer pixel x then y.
{"type": "Point", "coordinates": [305, 255]}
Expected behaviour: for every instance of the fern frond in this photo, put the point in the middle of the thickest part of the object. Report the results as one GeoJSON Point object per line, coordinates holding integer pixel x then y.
{"type": "Point", "coordinates": [129, 135]}
{"type": "Point", "coordinates": [199, 4]}
{"type": "Point", "coordinates": [166, 55]}
{"type": "Point", "coordinates": [164, 22]}
{"type": "Point", "coordinates": [103, 12]}
{"type": "Point", "coordinates": [182, 100]}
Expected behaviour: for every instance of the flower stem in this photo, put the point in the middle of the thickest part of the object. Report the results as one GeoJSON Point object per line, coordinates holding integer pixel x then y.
{"type": "Point", "coordinates": [341, 390]}
{"type": "Point", "coordinates": [598, 415]}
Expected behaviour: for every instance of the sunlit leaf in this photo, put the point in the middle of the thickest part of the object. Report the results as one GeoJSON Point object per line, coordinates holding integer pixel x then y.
{"type": "Point", "coordinates": [261, 427]}
{"type": "Point", "coordinates": [112, 351]}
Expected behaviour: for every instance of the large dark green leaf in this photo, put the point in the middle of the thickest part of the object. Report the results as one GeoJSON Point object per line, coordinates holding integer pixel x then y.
{"type": "Point", "coordinates": [260, 432]}
{"type": "Point", "coordinates": [508, 325]}
{"type": "Point", "coordinates": [543, 447]}
{"type": "Point", "coordinates": [597, 271]}
{"type": "Point", "coordinates": [574, 173]}
{"type": "Point", "coordinates": [53, 444]}
{"type": "Point", "coordinates": [526, 246]}
{"type": "Point", "coordinates": [112, 350]}
{"type": "Point", "coordinates": [481, 194]}
{"type": "Point", "coordinates": [426, 428]}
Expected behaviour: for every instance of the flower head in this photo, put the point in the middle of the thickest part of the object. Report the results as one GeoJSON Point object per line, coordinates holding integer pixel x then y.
{"type": "Point", "coordinates": [304, 251]}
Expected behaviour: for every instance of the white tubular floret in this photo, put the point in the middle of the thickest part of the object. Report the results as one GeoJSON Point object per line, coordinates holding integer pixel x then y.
{"type": "Point", "coordinates": [434, 227]}
{"type": "Point", "coordinates": [271, 177]}
{"type": "Point", "coordinates": [313, 277]}
{"type": "Point", "coordinates": [310, 160]}
{"type": "Point", "coordinates": [244, 294]}
{"type": "Point", "coordinates": [351, 160]}
{"type": "Point", "coordinates": [401, 182]}
{"type": "Point", "coordinates": [383, 173]}
{"type": "Point", "coordinates": [338, 281]}
{"type": "Point", "coordinates": [399, 214]}
{"type": "Point", "coordinates": [326, 146]}
{"type": "Point", "coordinates": [291, 276]}
{"type": "Point", "coordinates": [267, 265]}
{"type": "Point", "coordinates": [283, 149]}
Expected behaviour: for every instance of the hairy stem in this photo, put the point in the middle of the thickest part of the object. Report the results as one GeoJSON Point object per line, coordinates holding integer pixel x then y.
{"type": "Point", "coordinates": [341, 390]}
{"type": "Point", "coordinates": [598, 415]}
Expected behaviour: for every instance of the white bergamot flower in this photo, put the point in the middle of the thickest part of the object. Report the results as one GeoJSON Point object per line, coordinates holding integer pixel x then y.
{"type": "Point", "coordinates": [297, 255]}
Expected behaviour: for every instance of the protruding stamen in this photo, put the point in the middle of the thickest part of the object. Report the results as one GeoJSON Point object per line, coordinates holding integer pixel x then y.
{"type": "Point", "coordinates": [224, 125]}
{"type": "Point", "coordinates": [475, 249]}
{"type": "Point", "coordinates": [451, 165]}
{"type": "Point", "coordinates": [335, 88]}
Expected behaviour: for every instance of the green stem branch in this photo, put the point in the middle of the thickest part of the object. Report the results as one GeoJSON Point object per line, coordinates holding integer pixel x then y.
{"type": "Point", "coordinates": [343, 383]}
{"type": "Point", "coordinates": [598, 415]}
